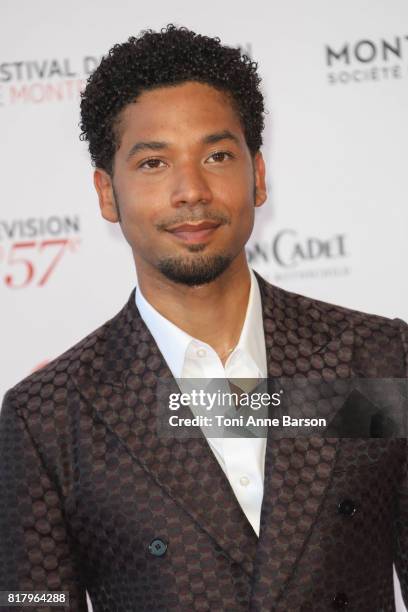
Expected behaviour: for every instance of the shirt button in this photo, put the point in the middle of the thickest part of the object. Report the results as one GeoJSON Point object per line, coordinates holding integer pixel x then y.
{"type": "Point", "coordinates": [201, 352]}
{"type": "Point", "coordinates": [244, 481]}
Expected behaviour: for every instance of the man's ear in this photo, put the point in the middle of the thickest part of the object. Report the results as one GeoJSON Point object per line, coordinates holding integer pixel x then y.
{"type": "Point", "coordinates": [104, 189]}
{"type": "Point", "coordinates": [260, 185]}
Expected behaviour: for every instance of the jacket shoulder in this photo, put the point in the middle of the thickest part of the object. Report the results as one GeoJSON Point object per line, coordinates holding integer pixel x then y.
{"type": "Point", "coordinates": [328, 310]}
{"type": "Point", "coordinates": [380, 344]}
{"type": "Point", "coordinates": [60, 369]}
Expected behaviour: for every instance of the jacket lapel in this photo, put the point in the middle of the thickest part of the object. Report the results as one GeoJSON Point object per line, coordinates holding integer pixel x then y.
{"type": "Point", "coordinates": [305, 341]}
{"type": "Point", "coordinates": [120, 387]}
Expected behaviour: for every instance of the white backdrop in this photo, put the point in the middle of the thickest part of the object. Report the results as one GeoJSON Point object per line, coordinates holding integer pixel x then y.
{"type": "Point", "coordinates": [335, 78]}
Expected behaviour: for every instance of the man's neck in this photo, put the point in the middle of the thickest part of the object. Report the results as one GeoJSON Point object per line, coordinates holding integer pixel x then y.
{"type": "Point", "coordinates": [213, 313]}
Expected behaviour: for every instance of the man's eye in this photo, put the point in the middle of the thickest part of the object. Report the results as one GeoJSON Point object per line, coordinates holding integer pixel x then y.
{"type": "Point", "coordinates": [221, 156]}
{"type": "Point", "coordinates": [151, 163]}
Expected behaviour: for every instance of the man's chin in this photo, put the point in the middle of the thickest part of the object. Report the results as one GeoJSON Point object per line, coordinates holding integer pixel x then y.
{"type": "Point", "coordinates": [200, 270]}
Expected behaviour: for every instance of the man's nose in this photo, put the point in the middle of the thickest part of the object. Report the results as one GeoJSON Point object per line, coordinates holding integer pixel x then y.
{"type": "Point", "coordinates": [190, 186]}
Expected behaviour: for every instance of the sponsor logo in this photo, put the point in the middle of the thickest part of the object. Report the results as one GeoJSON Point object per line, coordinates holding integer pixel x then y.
{"type": "Point", "coordinates": [367, 60]}
{"type": "Point", "coordinates": [32, 249]}
{"type": "Point", "coordinates": [44, 80]}
{"type": "Point", "coordinates": [296, 256]}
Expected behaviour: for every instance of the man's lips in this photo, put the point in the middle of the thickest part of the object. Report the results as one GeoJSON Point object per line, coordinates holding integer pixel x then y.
{"type": "Point", "coordinates": [194, 232]}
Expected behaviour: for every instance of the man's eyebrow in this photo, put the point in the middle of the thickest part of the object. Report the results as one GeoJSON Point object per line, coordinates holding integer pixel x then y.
{"type": "Point", "coordinates": [158, 145]}
{"type": "Point", "coordinates": [151, 145]}
{"type": "Point", "coordinates": [217, 136]}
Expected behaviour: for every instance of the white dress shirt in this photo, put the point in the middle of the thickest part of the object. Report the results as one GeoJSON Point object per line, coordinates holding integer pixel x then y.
{"type": "Point", "coordinates": [242, 459]}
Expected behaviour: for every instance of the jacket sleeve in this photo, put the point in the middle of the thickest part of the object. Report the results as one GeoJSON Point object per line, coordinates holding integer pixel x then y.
{"type": "Point", "coordinates": [36, 551]}
{"type": "Point", "coordinates": [401, 523]}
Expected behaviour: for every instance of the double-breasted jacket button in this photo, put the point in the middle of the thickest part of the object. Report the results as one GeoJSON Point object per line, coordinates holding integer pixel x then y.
{"type": "Point", "coordinates": [157, 547]}
{"type": "Point", "coordinates": [340, 601]}
{"type": "Point", "coordinates": [347, 507]}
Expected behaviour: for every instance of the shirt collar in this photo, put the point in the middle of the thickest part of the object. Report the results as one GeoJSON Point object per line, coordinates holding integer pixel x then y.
{"type": "Point", "coordinates": [173, 342]}
{"type": "Point", "coordinates": [252, 338]}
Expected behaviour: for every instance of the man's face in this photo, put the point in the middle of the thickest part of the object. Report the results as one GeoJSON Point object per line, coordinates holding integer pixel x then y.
{"type": "Point", "coordinates": [184, 183]}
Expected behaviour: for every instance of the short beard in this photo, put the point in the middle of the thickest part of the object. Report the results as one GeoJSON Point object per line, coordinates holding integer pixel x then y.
{"type": "Point", "coordinates": [199, 271]}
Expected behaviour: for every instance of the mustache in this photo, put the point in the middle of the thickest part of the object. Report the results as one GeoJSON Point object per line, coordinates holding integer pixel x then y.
{"type": "Point", "coordinates": [192, 218]}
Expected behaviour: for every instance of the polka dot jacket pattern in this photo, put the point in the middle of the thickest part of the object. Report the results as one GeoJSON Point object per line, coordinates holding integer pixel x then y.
{"type": "Point", "coordinates": [91, 498]}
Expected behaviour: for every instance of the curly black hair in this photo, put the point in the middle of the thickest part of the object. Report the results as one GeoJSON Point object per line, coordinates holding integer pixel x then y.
{"type": "Point", "coordinates": [156, 59]}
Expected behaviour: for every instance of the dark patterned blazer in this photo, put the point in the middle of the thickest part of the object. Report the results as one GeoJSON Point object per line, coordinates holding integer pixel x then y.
{"type": "Point", "coordinates": [93, 499]}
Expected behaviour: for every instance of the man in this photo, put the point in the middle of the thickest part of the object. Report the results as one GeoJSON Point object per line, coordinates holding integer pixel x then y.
{"type": "Point", "coordinates": [93, 498]}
